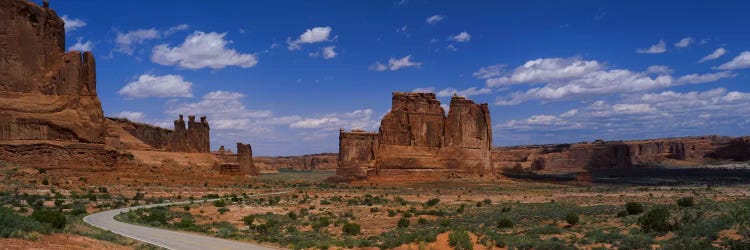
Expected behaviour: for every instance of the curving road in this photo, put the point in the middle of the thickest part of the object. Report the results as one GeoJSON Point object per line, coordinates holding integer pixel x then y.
{"type": "Point", "coordinates": [165, 238]}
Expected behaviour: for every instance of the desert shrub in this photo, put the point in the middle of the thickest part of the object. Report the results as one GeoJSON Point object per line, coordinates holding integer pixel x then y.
{"type": "Point", "coordinates": [51, 217]}
{"type": "Point", "coordinates": [351, 228]}
{"type": "Point", "coordinates": [220, 203]}
{"type": "Point", "coordinates": [374, 210]}
{"type": "Point", "coordinates": [546, 229]}
{"type": "Point", "coordinates": [504, 222]}
{"type": "Point", "coordinates": [656, 220]}
{"type": "Point", "coordinates": [460, 240]}
{"type": "Point", "coordinates": [685, 201]}
{"type": "Point", "coordinates": [223, 210]}
{"type": "Point", "coordinates": [14, 225]}
{"type": "Point", "coordinates": [422, 221]}
{"type": "Point", "coordinates": [571, 218]}
{"type": "Point", "coordinates": [634, 207]}
{"type": "Point", "coordinates": [403, 223]}
{"type": "Point", "coordinates": [225, 230]}
{"type": "Point", "coordinates": [248, 219]}
{"type": "Point", "coordinates": [391, 213]}
{"type": "Point", "coordinates": [679, 243]}
{"type": "Point", "coordinates": [432, 202]}
{"type": "Point", "coordinates": [636, 241]}
{"type": "Point", "coordinates": [292, 215]}
{"type": "Point", "coordinates": [186, 208]}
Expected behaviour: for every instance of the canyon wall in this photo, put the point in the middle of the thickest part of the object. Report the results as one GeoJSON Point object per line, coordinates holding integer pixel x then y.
{"type": "Point", "coordinates": [323, 161]}
{"type": "Point", "coordinates": [417, 136]}
{"type": "Point", "coordinates": [153, 136]}
{"type": "Point", "coordinates": [48, 100]}
{"type": "Point", "coordinates": [569, 158]}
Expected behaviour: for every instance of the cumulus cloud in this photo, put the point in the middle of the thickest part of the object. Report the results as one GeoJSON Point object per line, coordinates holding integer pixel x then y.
{"type": "Point", "coordinates": [465, 93]}
{"type": "Point", "coordinates": [358, 119]}
{"type": "Point", "coordinates": [395, 64]}
{"type": "Point", "coordinates": [434, 19]}
{"type": "Point", "coordinates": [81, 46]}
{"type": "Point", "coordinates": [314, 35]}
{"type": "Point", "coordinates": [684, 43]}
{"type": "Point", "coordinates": [72, 24]}
{"type": "Point", "coordinates": [126, 41]}
{"type": "Point", "coordinates": [657, 48]}
{"type": "Point", "coordinates": [491, 71]}
{"type": "Point", "coordinates": [461, 37]}
{"type": "Point", "coordinates": [714, 55]}
{"type": "Point", "coordinates": [633, 117]}
{"type": "Point", "coordinates": [325, 52]}
{"type": "Point", "coordinates": [224, 106]}
{"type": "Point", "coordinates": [132, 115]}
{"type": "Point", "coordinates": [157, 86]}
{"type": "Point", "coordinates": [424, 90]}
{"type": "Point", "coordinates": [202, 50]}
{"type": "Point", "coordinates": [659, 69]}
{"type": "Point", "coordinates": [742, 61]}
{"type": "Point", "coordinates": [564, 78]}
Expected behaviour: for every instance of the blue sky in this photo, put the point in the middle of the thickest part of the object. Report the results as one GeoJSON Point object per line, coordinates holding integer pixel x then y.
{"type": "Point", "coordinates": [285, 76]}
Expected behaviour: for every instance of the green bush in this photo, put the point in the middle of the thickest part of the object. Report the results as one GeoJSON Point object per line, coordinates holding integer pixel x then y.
{"type": "Point", "coordinates": [460, 240]}
{"type": "Point", "coordinates": [432, 202]}
{"type": "Point", "coordinates": [504, 222]}
{"type": "Point", "coordinates": [685, 202]}
{"type": "Point", "coordinates": [223, 210]}
{"type": "Point", "coordinates": [422, 221]}
{"type": "Point", "coordinates": [403, 223]}
{"type": "Point", "coordinates": [351, 228]}
{"type": "Point", "coordinates": [656, 220]}
{"type": "Point", "coordinates": [14, 225]}
{"type": "Point", "coordinates": [634, 207]}
{"type": "Point", "coordinates": [220, 203]}
{"type": "Point", "coordinates": [51, 217]}
{"type": "Point", "coordinates": [571, 218]}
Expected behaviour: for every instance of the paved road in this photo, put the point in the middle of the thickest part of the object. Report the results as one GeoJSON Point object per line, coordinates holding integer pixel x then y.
{"type": "Point", "coordinates": [165, 238]}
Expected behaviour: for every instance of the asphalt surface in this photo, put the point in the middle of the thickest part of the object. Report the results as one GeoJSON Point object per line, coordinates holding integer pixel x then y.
{"type": "Point", "coordinates": [165, 238]}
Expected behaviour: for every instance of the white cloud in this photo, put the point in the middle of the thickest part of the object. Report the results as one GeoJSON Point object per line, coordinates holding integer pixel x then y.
{"type": "Point", "coordinates": [326, 52]}
{"type": "Point", "coordinates": [157, 86]}
{"type": "Point", "coordinates": [657, 48]}
{"type": "Point", "coordinates": [546, 70]}
{"type": "Point", "coordinates": [573, 77]}
{"type": "Point", "coordinates": [742, 61]}
{"type": "Point", "coordinates": [704, 78]}
{"type": "Point", "coordinates": [640, 108]}
{"type": "Point", "coordinates": [490, 71]}
{"type": "Point", "coordinates": [224, 107]}
{"type": "Point", "coordinates": [465, 93]}
{"type": "Point", "coordinates": [72, 24]}
{"type": "Point", "coordinates": [358, 119]}
{"type": "Point", "coordinates": [395, 64]}
{"type": "Point", "coordinates": [126, 41]}
{"type": "Point", "coordinates": [714, 55]}
{"type": "Point", "coordinates": [461, 37]}
{"type": "Point", "coordinates": [81, 46]}
{"type": "Point", "coordinates": [314, 35]}
{"type": "Point", "coordinates": [684, 43]}
{"type": "Point", "coordinates": [659, 69]}
{"type": "Point", "coordinates": [132, 115]}
{"type": "Point", "coordinates": [202, 50]}
{"type": "Point", "coordinates": [176, 29]}
{"type": "Point", "coordinates": [434, 19]}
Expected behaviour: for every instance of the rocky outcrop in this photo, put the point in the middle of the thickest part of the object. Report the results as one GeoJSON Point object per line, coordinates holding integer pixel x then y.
{"type": "Point", "coordinates": [416, 135]}
{"type": "Point", "coordinates": [245, 159]}
{"type": "Point", "coordinates": [194, 138]}
{"type": "Point", "coordinates": [572, 158]}
{"type": "Point", "coordinates": [48, 101]}
{"type": "Point", "coordinates": [153, 136]}
{"type": "Point", "coordinates": [241, 163]}
{"type": "Point", "coordinates": [323, 161]}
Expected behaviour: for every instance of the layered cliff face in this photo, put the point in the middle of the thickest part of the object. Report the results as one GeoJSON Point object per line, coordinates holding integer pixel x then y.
{"type": "Point", "coordinates": [570, 158]}
{"type": "Point", "coordinates": [154, 137]}
{"type": "Point", "coordinates": [48, 101]}
{"type": "Point", "coordinates": [194, 138]}
{"type": "Point", "coordinates": [416, 135]}
{"type": "Point", "coordinates": [45, 93]}
{"type": "Point", "coordinates": [323, 161]}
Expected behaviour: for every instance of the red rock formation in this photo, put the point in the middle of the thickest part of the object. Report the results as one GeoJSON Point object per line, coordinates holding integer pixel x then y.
{"type": "Point", "coordinates": [193, 139]}
{"type": "Point", "coordinates": [48, 101]}
{"type": "Point", "coordinates": [323, 161]}
{"type": "Point", "coordinates": [572, 158]}
{"type": "Point", "coordinates": [245, 159]}
{"type": "Point", "coordinates": [155, 137]}
{"type": "Point", "coordinates": [417, 136]}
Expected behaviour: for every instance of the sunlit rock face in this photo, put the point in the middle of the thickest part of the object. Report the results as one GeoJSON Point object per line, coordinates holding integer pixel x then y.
{"type": "Point", "coordinates": [417, 136]}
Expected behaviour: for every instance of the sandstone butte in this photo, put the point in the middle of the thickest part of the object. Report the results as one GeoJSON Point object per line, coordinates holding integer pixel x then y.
{"type": "Point", "coordinates": [417, 139]}
{"type": "Point", "coordinates": [51, 117]}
